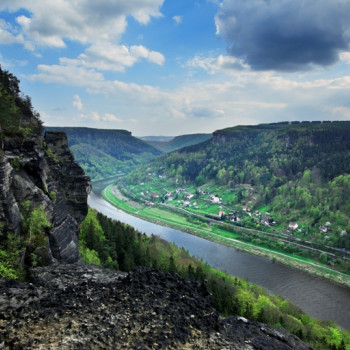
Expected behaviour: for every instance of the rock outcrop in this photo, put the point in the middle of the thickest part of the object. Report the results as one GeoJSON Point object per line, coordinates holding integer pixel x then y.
{"type": "Point", "coordinates": [43, 172]}
{"type": "Point", "coordinates": [86, 307]}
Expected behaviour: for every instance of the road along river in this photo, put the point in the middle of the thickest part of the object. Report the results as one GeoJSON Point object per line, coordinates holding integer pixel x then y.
{"type": "Point", "coordinates": [316, 296]}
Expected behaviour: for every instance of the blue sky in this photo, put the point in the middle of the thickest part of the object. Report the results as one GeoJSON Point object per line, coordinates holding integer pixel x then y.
{"type": "Point", "coordinates": [161, 67]}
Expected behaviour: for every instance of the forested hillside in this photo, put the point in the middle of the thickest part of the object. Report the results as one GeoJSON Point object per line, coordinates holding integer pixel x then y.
{"type": "Point", "coordinates": [115, 245]}
{"type": "Point", "coordinates": [297, 172]}
{"type": "Point", "coordinates": [176, 142]}
{"type": "Point", "coordinates": [104, 153]}
{"type": "Point", "coordinates": [17, 115]}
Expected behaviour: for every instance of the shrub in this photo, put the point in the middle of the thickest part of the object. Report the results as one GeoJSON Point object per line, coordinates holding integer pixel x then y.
{"type": "Point", "coordinates": [53, 196]}
{"type": "Point", "coordinates": [16, 163]}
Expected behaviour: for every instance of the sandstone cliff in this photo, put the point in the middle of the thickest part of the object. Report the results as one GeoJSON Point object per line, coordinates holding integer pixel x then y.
{"type": "Point", "coordinates": [43, 172]}
{"type": "Point", "coordinates": [86, 307]}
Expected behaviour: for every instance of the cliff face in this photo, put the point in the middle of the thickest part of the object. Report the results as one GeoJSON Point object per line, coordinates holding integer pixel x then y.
{"type": "Point", "coordinates": [43, 172]}
{"type": "Point", "coordinates": [86, 307]}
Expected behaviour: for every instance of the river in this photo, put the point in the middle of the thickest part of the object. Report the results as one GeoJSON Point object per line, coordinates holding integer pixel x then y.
{"type": "Point", "coordinates": [316, 296]}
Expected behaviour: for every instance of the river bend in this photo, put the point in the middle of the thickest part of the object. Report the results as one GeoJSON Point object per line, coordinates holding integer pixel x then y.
{"type": "Point", "coordinates": [316, 296]}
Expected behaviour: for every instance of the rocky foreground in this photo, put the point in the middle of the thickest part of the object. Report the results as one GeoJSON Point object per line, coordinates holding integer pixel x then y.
{"type": "Point", "coordinates": [86, 307]}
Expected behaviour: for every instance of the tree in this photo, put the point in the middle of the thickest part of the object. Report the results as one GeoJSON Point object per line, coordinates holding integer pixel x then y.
{"type": "Point", "coordinates": [11, 251]}
{"type": "Point", "coordinates": [323, 257]}
{"type": "Point", "coordinates": [172, 266]}
{"type": "Point", "coordinates": [17, 116]}
{"type": "Point", "coordinates": [34, 224]}
{"type": "Point", "coordinates": [91, 233]}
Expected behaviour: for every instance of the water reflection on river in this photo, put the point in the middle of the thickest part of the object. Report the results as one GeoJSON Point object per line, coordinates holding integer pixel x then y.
{"type": "Point", "coordinates": [317, 296]}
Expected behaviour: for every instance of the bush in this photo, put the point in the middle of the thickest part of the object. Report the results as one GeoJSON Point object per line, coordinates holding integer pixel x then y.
{"type": "Point", "coordinates": [52, 155]}
{"type": "Point", "coordinates": [16, 163]}
{"type": "Point", "coordinates": [53, 196]}
{"type": "Point", "coordinates": [10, 258]}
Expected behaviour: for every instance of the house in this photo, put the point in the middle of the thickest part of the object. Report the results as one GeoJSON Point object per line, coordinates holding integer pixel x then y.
{"type": "Point", "coordinates": [222, 214]}
{"type": "Point", "coordinates": [245, 208]}
{"type": "Point", "coordinates": [155, 195]}
{"type": "Point", "coordinates": [323, 229]}
{"type": "Point", "coordinates": [215, 199]}
{"type": "Point", "coordinates": [189, 196]}
{"type": "Point", "coordinates": [235, 218]}
{"type": "Point", "coordinates": [265, 220]}
{"type": "Point", "coordinates": [293, 225]}
{"type": "Point", "coordinates": [186, 203]}
{"type": "Point", "coordinates": [170, 198]}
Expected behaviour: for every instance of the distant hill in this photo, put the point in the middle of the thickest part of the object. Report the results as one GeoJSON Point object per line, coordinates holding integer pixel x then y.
{"type": "Point", "coordinates": [155, 138]}
{"type": "Point", "coordinates": [104, 153]}
{"type": "Point", "coordinates": [297, 172]}
{"type": "Point", "coordinates": [174, 143]}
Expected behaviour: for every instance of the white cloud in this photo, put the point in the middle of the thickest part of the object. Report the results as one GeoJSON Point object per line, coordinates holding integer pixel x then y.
{"type": "Point", "coordinates": [50, 23]}
{"type": "Point", "coordinates": [95, 116]}
{"type": "Point", "coordinates": [77, 103]}
{"type": "Point", "coordinates": [214, 64]}
{"type": "Point", "coordinates": [345, 57]}
{"type": "Point", "coordinates": [109, 57]}
{"type": "Point", "coordinates": [6, 37]}
{"type": "Point", "coordinates": [67, 74]}
{"type": "Point", "coordinates": [177, 19]}
{"type": "Point", "coordinates": [109, 117]}
{"type": "Point", "coordinates": [152, 56]}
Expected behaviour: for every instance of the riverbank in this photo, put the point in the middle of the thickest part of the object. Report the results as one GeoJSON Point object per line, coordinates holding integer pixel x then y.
{"type": "Point", "coordinates": [176, 221]}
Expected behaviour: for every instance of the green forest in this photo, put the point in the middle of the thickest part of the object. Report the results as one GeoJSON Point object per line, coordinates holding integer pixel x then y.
{"type": "Point", "coordinates": [118, 246]}
{"type": "Point", "coordinates": [105, 153]}
{"type": "Point", "coordinates": [17, 115]}
{"type": "Point", "coordinates": [290, 172]}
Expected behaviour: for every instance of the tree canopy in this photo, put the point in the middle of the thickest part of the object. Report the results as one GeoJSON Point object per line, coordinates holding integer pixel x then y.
{"type": "Point", "coordinates": [17, 115]}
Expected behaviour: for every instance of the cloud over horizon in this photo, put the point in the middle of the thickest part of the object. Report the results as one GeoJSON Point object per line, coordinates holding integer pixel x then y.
{"type": "Point", "coordinates": [285, 35]}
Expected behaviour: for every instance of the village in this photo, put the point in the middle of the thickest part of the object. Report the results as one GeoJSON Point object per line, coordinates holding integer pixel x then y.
{"type": "Point", "coordinates": [202, 201]}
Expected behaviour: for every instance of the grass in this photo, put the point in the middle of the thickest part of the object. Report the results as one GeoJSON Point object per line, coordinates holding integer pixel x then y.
{"type": "Point", "coordinates": [106, 193]}
{"type": "Point", "coordinates": [264, 209]}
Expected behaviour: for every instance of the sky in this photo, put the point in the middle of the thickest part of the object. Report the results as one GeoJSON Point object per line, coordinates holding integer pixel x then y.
{"type": "Point", "coordinates": [174, 67]}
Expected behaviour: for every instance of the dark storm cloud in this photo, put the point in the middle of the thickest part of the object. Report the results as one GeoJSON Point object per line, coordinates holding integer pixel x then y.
{"type": "Point", "coordinates": [285, 35]}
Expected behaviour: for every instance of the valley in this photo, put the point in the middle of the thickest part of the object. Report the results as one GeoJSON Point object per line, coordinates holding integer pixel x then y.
{"type": "Point", "coordinates": [282, 187]}
{"type": "Point", "coordinates": [279, 247]}
{"type": "Point", "coordinates": [304, 290]}
{"type": "Point", "coordinates": [105, 153]}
